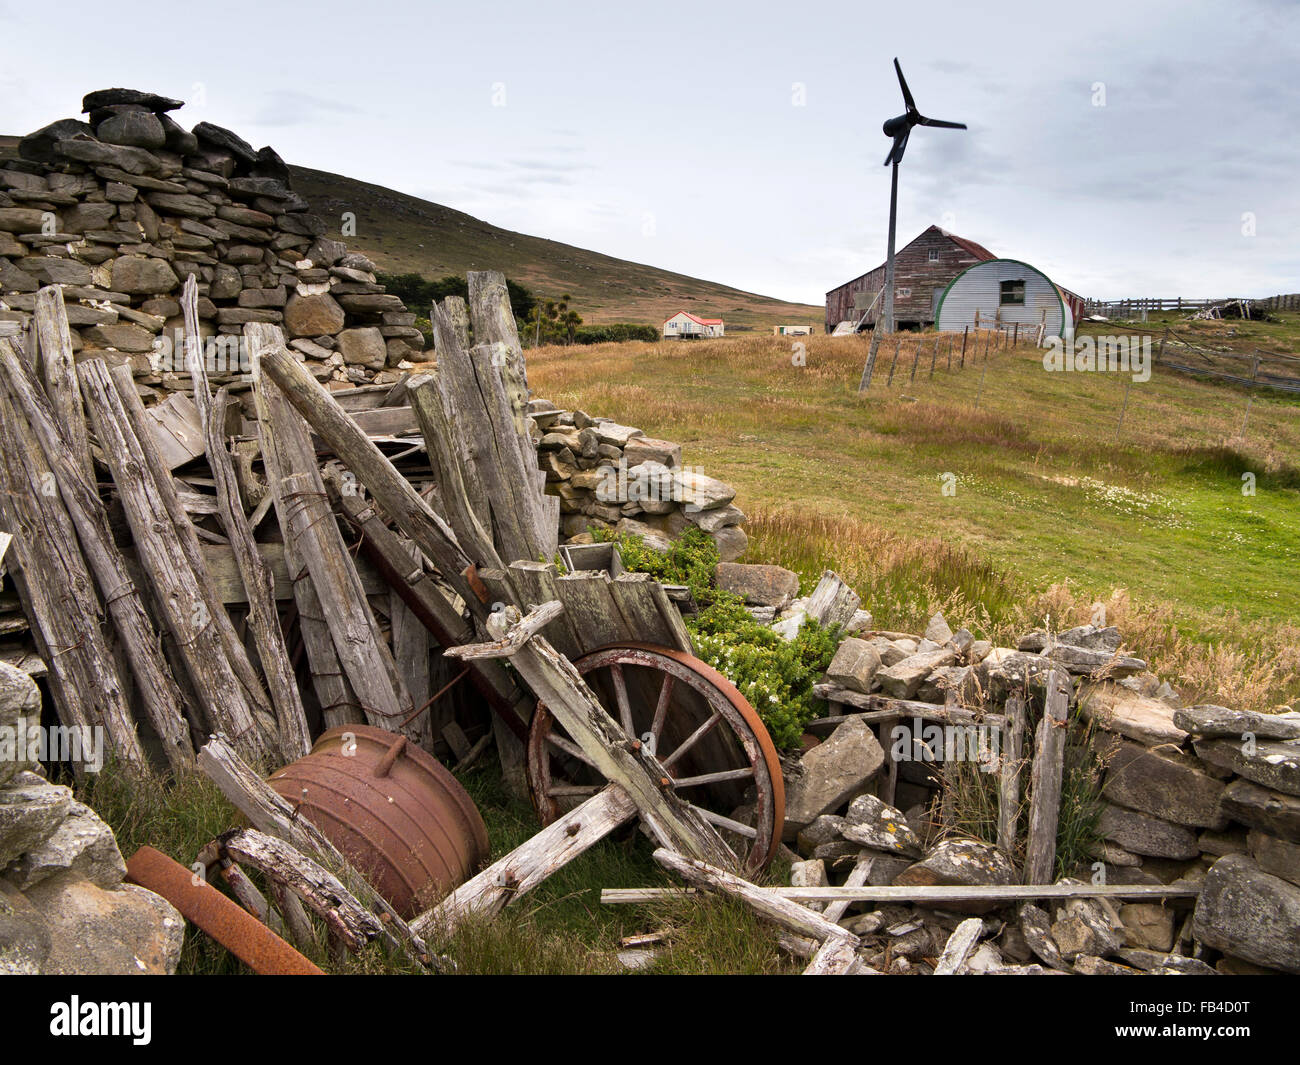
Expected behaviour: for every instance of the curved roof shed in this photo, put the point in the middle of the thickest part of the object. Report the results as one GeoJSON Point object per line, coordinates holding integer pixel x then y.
{"type": "Point", "coordinates": [1005, 291]}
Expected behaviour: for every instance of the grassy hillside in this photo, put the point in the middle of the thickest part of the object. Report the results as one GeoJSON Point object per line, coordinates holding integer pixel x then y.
{"type": "Point", "coordinates": [1052, 511]}
{"type": "Point", "coordinates": [402, 233]}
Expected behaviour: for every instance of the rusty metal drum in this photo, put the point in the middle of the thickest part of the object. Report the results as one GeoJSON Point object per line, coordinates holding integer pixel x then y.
{"type": "Point", "coordinates": [393, 809]}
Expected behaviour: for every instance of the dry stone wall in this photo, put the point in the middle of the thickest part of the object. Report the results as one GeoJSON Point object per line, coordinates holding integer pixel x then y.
{"type": "Point", "coordinates": [120, 208]}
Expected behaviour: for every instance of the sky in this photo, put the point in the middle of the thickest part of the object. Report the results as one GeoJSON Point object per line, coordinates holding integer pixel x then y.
{"type": "Point", "coordinates": [1125, 148]}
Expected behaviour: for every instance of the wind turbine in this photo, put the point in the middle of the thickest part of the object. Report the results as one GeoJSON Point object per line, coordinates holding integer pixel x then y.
{"type": "Point", "coordinates": [900, 128]}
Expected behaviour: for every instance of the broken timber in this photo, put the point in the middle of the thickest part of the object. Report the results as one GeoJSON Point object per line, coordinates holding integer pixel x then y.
{"type": "Point", "coordinates": [1045, 781]}
{"type": "Point", "coordinates": [259, 585]}
{"type": "Point", "coordinates": [159, 693]}
{"type": "Point", "coordinates": [935, 894]}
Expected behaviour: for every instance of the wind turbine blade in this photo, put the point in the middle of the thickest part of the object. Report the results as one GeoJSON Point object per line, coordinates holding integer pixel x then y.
{"type": "Point", "coordinates": [902, 82]}
{"type": "Point", "coordinates": [896, 152]}
{"type": "Point", "coordinates": [941, 123]}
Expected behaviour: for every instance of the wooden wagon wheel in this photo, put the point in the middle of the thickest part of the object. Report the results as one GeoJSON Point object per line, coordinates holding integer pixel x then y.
{"type": "Point", "coordinates": [710, 741]}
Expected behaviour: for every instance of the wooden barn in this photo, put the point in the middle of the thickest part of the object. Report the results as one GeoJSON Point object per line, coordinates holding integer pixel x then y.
{"type": "Point", "coordinates": [922, 271]}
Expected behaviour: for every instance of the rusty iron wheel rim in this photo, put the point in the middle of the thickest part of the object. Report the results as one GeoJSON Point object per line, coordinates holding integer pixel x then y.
{"type": "Point", "coordinates": [720, 696]}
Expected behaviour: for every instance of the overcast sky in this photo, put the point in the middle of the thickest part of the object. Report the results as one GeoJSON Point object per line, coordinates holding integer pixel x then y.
{"type": "Point", "coordinates": [1122, 147]}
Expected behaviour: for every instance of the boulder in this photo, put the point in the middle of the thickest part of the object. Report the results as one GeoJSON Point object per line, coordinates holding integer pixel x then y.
{"type": "Point", "coordinates": [1219, 721]}
{"type": "Point", "coordinates": [225, 140]}
{"type": "Point", "coordinates": [641, 449]}
{"type": "Point", "coordinates": [82, 844]}
{"type": "Point", "coordinates": [1085, 661]}
{"type": "Point", "coordinates": [1164, 783]}
{"type": "Point", "coordinates": [1250, 914]}
{"type": "Point", "coordinates": [1143, 834]}
{"type": "Point", "coordinates": [731, 542]}
{"type": "Point", "coordinates": [1272, 763]}
{"type": "Point", "coordinates": [965, 862]}
{"type": "Point", "coordinates": [809, 874]}
{"type": "Point", "coordinates": [24, 935]}
{"type": "Point", "coordinates": [1117, 709]}
{"type": "Point", "coordinates": [938, 631]}
{"type": "Point", "coordinates": [96, 931]}
{"type": "Point", "coordinates": [854, 666]}
{"type": "Point", "coordinates": [832, 602]}
{"type": "Point", "coordinates": [872, 822]}
{"type": "Point", "coordinates": [139, 129]}
{"type": "Point", "coordinates": [41, 146]}
{"type": "Point", "coordinates": [150, 101]}
{"type": "Point", "coordinates": [1148, 925]}
{"type": "Point", "coordinates": [833, 772]}
{"type": "Point", "coordinates": [1036, 929]}
{"type": "Point", "coordinates": [772, 586]}
{"type": "Point", "coordinates": [313, 316]}
{"type": "Point", "coordinates": [31, 810]}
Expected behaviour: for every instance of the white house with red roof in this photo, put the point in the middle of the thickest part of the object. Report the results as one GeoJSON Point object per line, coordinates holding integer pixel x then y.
{"type": "Point", "coordinates": [685, 326]}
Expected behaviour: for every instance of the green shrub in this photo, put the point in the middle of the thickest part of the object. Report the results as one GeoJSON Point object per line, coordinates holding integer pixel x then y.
{"type": "Point", "coordinates": [615, 332]}
{"type": "Point", "coordinates": [774, 674]}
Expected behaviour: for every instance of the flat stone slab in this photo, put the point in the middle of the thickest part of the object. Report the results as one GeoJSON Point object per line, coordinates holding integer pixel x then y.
{"type": "Point", "coordinates": [1219, 721]}
{"type": "Point", "coordinates": [1273, 763]}
{"type": "Point", "coordinates": [1261, 808]}
{"type": "Point", "coordinates": [873, 823]}
{"type": "Point", "coordinates": [1144, 834]}
{"type": "Point", "coordinates": [1117, 709]}
{"type": "Point", "coordinates": [1170, 785]}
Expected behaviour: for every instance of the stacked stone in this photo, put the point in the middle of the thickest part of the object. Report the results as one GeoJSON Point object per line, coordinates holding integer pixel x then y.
{"type": "Point", "coordinates": [1201, 795]}
{"type": "Point", "coordinates": [613, 477]}
{"type": "Point", "coordinates": [120, 209]}
{"type": "Point", "coordinates": [64, 908]}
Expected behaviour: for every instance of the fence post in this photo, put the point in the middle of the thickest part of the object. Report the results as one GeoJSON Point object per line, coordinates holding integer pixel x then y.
{"type": "Point", "coordinates": [898, 343]}
{"type": "Point", "coordinates": [950, 343]}
{"type": "Point", "coordinates": [865, 381]}
{"type": "Point", "coordinates": [965, 330]}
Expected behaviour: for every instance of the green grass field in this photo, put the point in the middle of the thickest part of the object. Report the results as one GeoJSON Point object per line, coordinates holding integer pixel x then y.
{"type": "Point", "coordinates": [1052, 505]}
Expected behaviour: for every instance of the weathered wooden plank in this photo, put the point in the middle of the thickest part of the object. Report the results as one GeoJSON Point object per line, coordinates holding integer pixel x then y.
{"type": "Point", "coordinates": [530, 863]}
{"type": "Point", "coordinates": [959, 946]}
{"type": "Point", "coordinates": [411, 655]}
{"type": "Point", "coordinates": [392, 491]}
{"type": "Point", "coordinates": [177, 429]}
{"type": "Point", "coordinates": [129, 400]}
{"type": "Point", "coordinates": [179, 591]}
{"type": "Point", "coordinates": [310, 529]}
{"type": "Point", "coordinates": [158, 691]}
{"type": "Point", "coordinates": [768, 904]}
{"type": "Point", "coordinates": [635, 600]}
{"type": "Point", "coordinates": [837, 956]}
{"type": "Point", "coordinates": [856, 878]}
{"type": "Point", "coordinates": [1009, 782]}
{"type": "Point", "coordinates": [263, 617]}
{"type": "Point", "coordinates": [885, 708]}
{"type": "Point", "coordinates": [535, 583]}
{"type": "Point", "coordinates": [58, 594]}
{"type": "Point", "coordinates": [589, 602]}
{"type": "Point", "coordinates": [50, 321]}
{"type": "Point", "coordinates": [431, 604]}
{"type": "Point", "coordinates": [933, 895]}
{"type": "Point", "coordinates": [449, 472]}
{"type": "Point", "coordinates": [1045, 781]}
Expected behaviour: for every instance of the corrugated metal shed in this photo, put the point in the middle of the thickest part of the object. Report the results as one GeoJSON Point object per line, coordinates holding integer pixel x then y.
{"type": "Point", "coordinates": [1004, 292]}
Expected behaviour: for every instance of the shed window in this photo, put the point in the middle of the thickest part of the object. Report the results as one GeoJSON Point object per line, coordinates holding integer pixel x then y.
{"type": "Point", "coordinates": [1013, 294]}
{"type": "Point", "coordinates": [934, 255]}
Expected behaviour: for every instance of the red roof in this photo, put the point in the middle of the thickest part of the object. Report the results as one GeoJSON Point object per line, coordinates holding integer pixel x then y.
{"type": "Point", "coordinates": [699, 321]}
{"type": "Point", "coordinates": [978, 250]}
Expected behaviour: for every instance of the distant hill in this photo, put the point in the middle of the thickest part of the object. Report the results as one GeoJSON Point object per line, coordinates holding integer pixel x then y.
{"type": "Point", "coordinates": [403, 233]}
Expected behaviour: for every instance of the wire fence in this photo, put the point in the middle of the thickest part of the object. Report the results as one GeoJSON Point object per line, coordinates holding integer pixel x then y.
{"type": "Point", "coordinates": [910, 353]}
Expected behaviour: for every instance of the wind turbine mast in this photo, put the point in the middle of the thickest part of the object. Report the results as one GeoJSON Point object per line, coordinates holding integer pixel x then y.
{"type": "Point", "coordinates": [900, 128]}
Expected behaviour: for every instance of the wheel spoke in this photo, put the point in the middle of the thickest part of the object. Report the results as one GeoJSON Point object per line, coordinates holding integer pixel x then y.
{"type": "Point", "coordinates": [570, 748]}
{"type": "Point", "coordinates": [714, 778]}
{"type": "Point", "coordinates": [725, 822]}
{"type": "Point", "coordinates": [661, 709]}
{"type": "Point", "coordinates": [694, 738]}
{"type": "Point", "coordinates": [620, 694]}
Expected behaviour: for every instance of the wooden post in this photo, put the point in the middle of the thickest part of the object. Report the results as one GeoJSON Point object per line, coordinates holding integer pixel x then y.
{"type": "Point", "coordinates": [554, 680]}
{"type": "Point", "coordinates": [259, 585]}
{"type": "Point", "coordinates": [865, 382]}
{"type": "Point", "coordinates": [391, 490]}
{"type": "Point", "coordinates": [965, 332]}
{"type": "Point", "coordinates": [308, 524]}
{"type": "Point", "coordinates": [51, 323]}
{"type": "Point", "coordinates": [1128, 384]}
{"type": "Point", "coordinates": [180, 589]}
{"type": "Point", "coordinates": [1013, 738]}
{"type": "Point", "coordinates": [158, 691]}
{"type": "Point", "coordinates": [1045, 781]}
{"type": "Point", "coordinates": [58, 597]}
{"type": "Point", "coordinates": [898, 343]}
